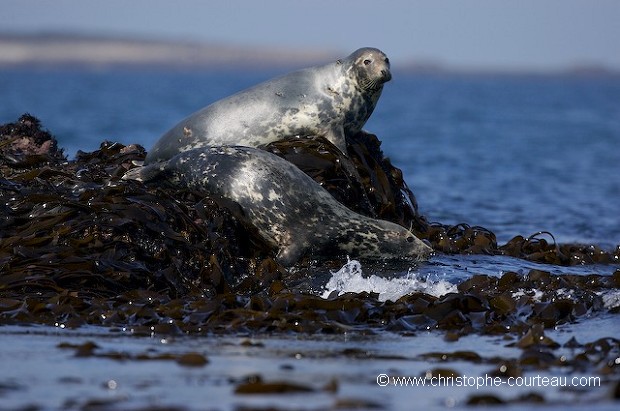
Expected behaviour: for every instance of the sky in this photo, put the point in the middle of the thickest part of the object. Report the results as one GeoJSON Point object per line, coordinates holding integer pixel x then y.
{"type": "Point", "coordinates": [472, 34]}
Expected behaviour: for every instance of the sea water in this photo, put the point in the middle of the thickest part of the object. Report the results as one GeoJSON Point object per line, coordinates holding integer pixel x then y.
{"type": "Point", "coordinates": [516, 154]}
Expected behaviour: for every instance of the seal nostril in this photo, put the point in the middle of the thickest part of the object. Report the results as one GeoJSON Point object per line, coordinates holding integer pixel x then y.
{"type": "Point", "coordinates": [410, 239]}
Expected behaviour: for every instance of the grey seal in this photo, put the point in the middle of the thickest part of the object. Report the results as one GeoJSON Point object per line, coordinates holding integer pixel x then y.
{"type": "Point", "coordinates": [334, 101]}
{"type": "Point", "coordinates": [291, 212]}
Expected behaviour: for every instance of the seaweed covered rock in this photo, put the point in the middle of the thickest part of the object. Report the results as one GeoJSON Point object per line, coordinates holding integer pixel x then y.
{"type": "Point", "coordinates": [76, 226]}
{"type": "Point", "coordinates": [24, 144]}
{"type": "Point", "coordinates": [537, 248]}
{"type": "Point", "coordinates": [465, 239]}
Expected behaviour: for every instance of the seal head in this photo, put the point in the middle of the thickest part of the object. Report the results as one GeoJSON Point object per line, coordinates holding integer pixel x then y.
{"type": "Point", "coordinates": [369, 69]}
{"type": "Point", "coordinates": [333, 101]}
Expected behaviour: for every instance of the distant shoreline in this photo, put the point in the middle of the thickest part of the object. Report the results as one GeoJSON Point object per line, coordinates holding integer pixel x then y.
{"type": "Point", "coordinates": [49, 51]}
{"type": "Point", "coordinates": [100, 52]}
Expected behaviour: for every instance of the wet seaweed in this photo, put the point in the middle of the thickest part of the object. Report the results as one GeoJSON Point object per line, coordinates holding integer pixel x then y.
{"type": "Point", "coordinates": [78, 245]}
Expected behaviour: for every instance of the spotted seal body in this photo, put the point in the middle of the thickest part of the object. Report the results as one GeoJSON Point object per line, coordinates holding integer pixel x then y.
{"type": "Point", "coordinates": [333, 101]}
{"type": "Point", "coordinates": [292, 212]}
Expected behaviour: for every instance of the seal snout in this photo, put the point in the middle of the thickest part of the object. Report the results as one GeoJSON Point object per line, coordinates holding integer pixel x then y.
{"type": "Point", "coordinates": [386, 75]}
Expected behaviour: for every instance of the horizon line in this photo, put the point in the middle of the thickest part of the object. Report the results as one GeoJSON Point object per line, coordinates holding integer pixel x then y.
{"type": "Point", "coordinates": [26, 49]}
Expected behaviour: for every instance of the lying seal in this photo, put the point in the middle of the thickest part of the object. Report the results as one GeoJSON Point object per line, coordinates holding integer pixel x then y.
{"type": "Point", "coordinates": [291, 212]}
{"type": "Point", "coordinates": [333, 101]}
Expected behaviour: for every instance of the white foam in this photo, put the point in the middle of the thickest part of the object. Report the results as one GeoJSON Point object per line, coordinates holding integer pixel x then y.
{"type": "Point", "coordinates": [611, 299]}
{"type": "Point", "coordinates": [350, 278]}
{"type": "Point", "coordinates": [534, 293]}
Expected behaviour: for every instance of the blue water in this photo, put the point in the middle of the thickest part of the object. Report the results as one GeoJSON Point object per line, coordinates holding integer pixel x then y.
{"type": "Point", "coordinates": [515, 154]}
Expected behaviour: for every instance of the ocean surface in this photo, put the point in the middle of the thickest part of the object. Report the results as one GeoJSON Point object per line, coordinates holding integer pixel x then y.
{"type": "Point", "coordinates": [516, 154]}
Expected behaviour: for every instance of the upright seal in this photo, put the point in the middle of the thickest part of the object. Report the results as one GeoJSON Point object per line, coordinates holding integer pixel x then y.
{"type": "Point", "coordinates": [291, 212]}
{"type": "Point", "coordinates": [333, 101]}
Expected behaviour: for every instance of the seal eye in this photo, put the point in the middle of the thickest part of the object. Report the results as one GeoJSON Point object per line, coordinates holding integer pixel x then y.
{"type": "Point", "coordinates": [410, 239]}
{"type": "Point", "coordinates": [387, 60]}
{"type": "Point", "coordinates": [367, 62]}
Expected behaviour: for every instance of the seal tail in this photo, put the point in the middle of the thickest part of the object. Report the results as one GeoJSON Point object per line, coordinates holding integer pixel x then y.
{"type": "Point", "coordinates": [145, 173]}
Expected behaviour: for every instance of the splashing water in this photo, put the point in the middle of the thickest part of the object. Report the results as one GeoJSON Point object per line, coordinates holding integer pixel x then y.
{"type": "Point", "coordinates": [611, 299]}
{"type": "Point", "coordinates": [350, 278]}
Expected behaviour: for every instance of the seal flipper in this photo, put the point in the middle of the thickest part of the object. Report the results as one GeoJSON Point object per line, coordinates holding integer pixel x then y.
{"type": "Point", "coordinates": [337, 137]}
{"type": "Point", "coordinates": [145, 173]}
{"type": "Point", "coordinates": [290, 254]}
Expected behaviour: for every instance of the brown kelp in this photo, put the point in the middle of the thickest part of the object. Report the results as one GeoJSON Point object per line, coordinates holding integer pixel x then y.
{"type": "Point", "coordinates": [78, 245]}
